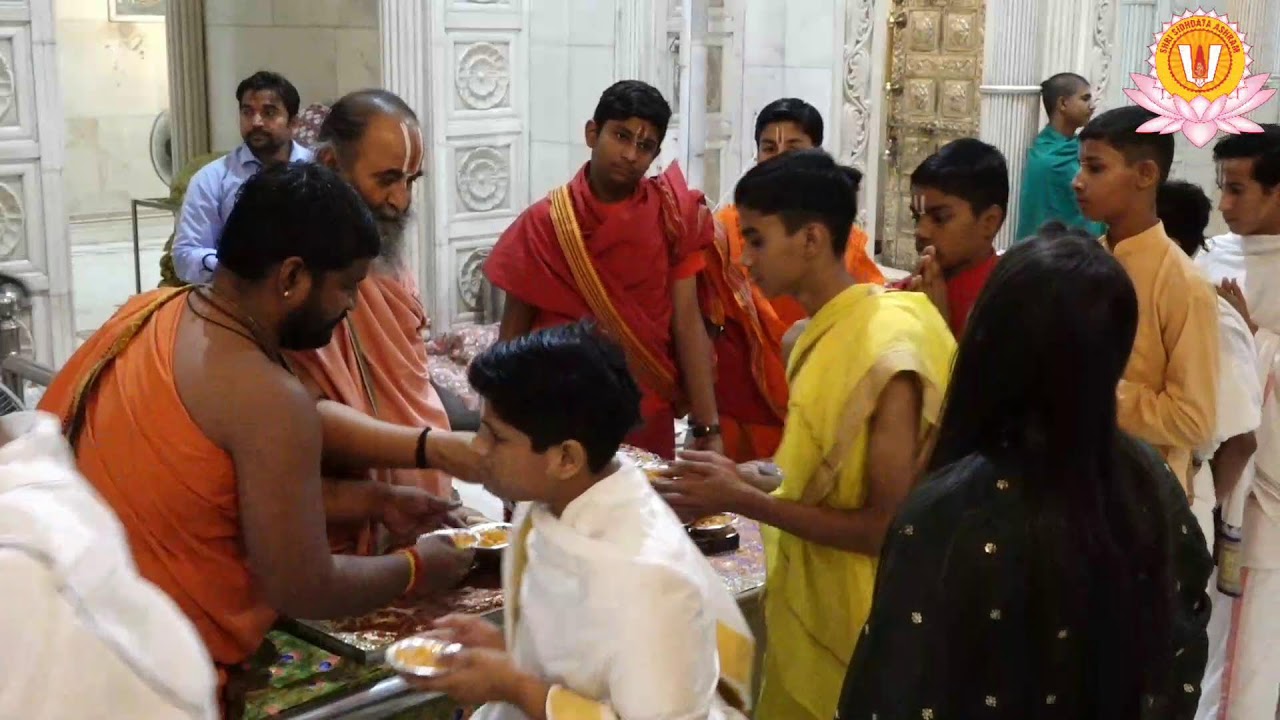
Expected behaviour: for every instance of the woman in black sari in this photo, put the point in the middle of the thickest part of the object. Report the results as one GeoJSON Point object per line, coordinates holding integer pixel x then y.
{"type": "Point", "coordinates": [1049, 566]}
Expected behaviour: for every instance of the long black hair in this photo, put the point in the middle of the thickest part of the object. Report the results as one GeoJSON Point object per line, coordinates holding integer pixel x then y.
{"type": "Point", "coordinates": [1034, 386]}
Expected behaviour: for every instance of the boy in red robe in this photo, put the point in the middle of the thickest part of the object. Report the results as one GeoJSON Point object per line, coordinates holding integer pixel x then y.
{"type": "Point", "coordinates": [959, 197]}
{"type": "Point", "coordinates": [622, 249]}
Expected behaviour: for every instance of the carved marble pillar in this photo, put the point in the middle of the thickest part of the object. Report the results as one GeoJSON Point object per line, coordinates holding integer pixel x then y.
{"type": "Point", "coordinates": [1137, 22]}
{"type": "Point", "coordinates": [188, 95]}
{"type": "Point", "coordinates": [1010, 92]}
{"type": "Point", "coordinates": [404, 26]}
{"type": "Point", "coordinates": [1101, 50]}
{"type": "Point", "coordinates": [857, 120]}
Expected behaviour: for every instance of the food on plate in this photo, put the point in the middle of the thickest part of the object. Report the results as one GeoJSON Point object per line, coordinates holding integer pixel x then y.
{"type": "Point", "coordinates": [463, 540]}
{"type": "Point", "coordinates": [493, 537]}
{"type": "Point", "coordinates": [423, 656]}
{"type": "Point", "coordinates": [713, 522]}
{"type": "Point", "coordinates": [419, 655]}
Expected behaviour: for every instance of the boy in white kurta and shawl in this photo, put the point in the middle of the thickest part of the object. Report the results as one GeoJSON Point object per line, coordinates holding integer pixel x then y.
{"type": "Point", "coordinates": [1222, 472]}
{"type": "Point", "coordinates": [1242, 679]}
{"type": "Point", "coordinates": [611, 610]}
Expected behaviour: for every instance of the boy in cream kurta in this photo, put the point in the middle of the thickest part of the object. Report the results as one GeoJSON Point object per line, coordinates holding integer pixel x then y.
{"type": "Point", "coordinates": [1168, 396]}
{"type": "Point", "coordinates": [611, 610]}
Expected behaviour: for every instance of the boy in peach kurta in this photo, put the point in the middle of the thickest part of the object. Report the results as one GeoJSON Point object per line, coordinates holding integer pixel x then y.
{"type": "Point", "coordinates": [1168, 395]}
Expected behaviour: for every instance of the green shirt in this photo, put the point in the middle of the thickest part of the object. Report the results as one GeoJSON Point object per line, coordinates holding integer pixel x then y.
{"type": "Point", "coordinates": [1052, 164]}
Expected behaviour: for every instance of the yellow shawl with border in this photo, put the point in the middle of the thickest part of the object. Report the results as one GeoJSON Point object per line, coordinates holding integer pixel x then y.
{"type": "Point", "coordinates": [817, 598]}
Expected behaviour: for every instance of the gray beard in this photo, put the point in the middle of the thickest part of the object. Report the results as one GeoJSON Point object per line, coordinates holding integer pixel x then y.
{"type": "Point", "coordinates": [392, 233]}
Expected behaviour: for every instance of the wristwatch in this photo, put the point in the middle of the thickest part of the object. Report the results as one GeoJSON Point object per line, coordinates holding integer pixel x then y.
{"type": "Point", "coordinates": [701, 431]}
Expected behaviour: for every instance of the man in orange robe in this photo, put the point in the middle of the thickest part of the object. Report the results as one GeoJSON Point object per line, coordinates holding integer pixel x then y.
{"type": "Point", "coordinates": [185, 420]}
{"type": "Point", "coordinates": [751, 388]}
{"type": "Point", "coordinates": [377, 361]}
{"type": "Point", "coordinates": [623, 250]}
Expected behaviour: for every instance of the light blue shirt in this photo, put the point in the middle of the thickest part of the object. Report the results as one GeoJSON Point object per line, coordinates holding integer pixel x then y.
{"type": "Point", "coordinates": [210, 196]}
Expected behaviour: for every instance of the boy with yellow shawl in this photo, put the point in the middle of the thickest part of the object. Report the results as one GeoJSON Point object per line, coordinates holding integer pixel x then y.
{"type": "Point", "coordinates": [867, 378]}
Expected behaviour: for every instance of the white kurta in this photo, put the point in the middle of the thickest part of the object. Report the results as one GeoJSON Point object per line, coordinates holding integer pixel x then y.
{"type": "Point", "coordinates": [1239, 411]}
{"type": "Point", "coordinates": [1242, 678]}
{"type": "Point", "coordinates": [82, 635]}
{"type": "Point", "coordinates": [618, 607]}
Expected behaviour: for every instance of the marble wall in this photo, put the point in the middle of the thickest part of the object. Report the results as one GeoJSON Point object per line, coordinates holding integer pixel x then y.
{"type": "Point", "coordinates": [114, 84]}
{"type": "Point", "coordinates": [571, 62]}
{"type": "Point", "coordinates": [790, 49]}
{"type": "Point", "coordinates": [325, 48]}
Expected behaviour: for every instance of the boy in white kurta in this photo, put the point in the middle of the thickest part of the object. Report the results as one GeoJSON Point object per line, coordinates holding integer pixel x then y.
{"type": "Point", "coordinates": [1242, 679]}
{"type": "Point", "coordinates": [1223, 467]}
{"type": "Point", "coordinates": [611, 610]}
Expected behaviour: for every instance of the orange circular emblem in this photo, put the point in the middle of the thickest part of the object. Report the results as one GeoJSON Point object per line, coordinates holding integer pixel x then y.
{"type": "Point", "coordinates": [1199, 54]}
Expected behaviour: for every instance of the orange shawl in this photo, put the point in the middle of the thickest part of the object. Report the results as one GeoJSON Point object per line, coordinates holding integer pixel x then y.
{"type": "Point", "coordinates": [173, 490]}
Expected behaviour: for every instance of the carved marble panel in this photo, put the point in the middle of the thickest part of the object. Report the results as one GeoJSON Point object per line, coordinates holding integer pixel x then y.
{"type": "Point", "coordinates": [482, 75]}
{"type": "Point", "coordinates": [15, 184]}
{"type": "Point", "coordinates": [471, 279]}
{"type": "Point", "coordinates": [17, 84]}
{"type": "Point", "coordinates": [483, 178]}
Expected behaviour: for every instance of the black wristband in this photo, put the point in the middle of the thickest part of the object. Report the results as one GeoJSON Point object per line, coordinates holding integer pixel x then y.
{"type": "Point", "coordinates": [421, 456]}
{"type": "Point", "coordinates": [701, 431]}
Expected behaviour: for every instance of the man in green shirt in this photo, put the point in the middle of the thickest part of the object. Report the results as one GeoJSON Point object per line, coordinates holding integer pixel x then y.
{"type": "Point", "coordinates": [1054, 158]}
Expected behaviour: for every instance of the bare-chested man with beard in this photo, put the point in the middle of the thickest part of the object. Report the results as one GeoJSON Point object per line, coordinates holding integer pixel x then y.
{"type": "Point", "coordinates": [377, 361]}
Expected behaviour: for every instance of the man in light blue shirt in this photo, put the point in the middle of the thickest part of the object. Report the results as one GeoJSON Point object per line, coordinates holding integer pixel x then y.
{"type": "Point", "coordinates": [268, 114]}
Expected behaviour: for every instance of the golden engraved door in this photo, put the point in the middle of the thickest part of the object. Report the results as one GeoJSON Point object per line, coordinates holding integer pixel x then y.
{"type": "Point", "coordinates": [935, 68]}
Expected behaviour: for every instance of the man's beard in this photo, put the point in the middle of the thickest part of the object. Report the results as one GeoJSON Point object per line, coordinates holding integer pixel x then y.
{"type": "Point", "coordinates": [305, 329]}
{"type": "Point", "coordinates": [262, 143]}
{"type": "Point", "coordinates": [391, 230]}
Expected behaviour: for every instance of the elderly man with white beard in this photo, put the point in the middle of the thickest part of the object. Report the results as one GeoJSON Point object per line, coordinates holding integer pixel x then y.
{"type": "Point", "coordinates": [376, 363]}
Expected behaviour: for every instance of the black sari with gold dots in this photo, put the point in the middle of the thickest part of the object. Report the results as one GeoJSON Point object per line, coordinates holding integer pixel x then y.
{"type": "Point", "coordinates": [954, 634]}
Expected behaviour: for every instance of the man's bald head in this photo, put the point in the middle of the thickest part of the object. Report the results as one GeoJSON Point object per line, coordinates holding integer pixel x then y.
{"type": "Point", "coordinates": [373, 138]}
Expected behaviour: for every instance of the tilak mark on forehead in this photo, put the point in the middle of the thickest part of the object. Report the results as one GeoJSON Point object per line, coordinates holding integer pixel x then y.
{"type": "Point", "coordinates": [409, 167]}
{"type": "Point", "coordinates": [918, 204]}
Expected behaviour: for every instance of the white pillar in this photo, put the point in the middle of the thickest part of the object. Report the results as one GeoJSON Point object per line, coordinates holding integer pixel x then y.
{"type": "Point", "coordinates": [1010, 92]}
{"type": "Point", "coordinates": [694, 93]}
{"type": "Point", "coordinates": [1065, 33]}
{"type": "Point", "coordinates": [1259, 20]}
{"type": "Point", "coordinates": [640, 42]}
{"type": "Point", "coordinates": [1137, 23]}
{"type": "Point", "coordinates": [188, 94]}
{"type": "Point", "coordinates": [404, 26]}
